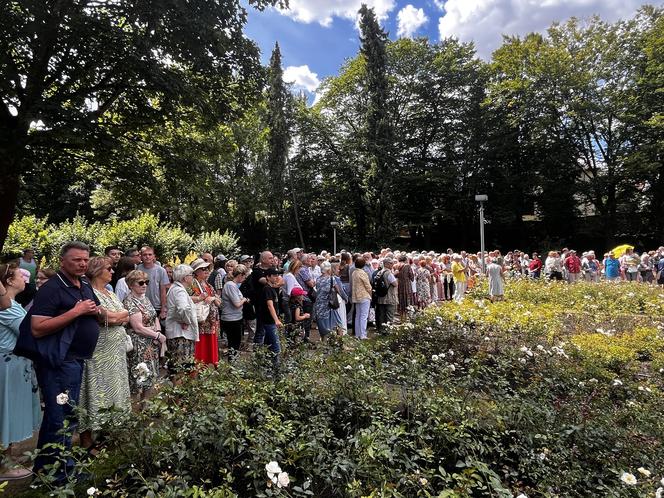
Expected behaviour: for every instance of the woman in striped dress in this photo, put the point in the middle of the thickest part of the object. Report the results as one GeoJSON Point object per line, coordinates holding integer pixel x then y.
{"type": "Point", "coordinates": [105, 380]}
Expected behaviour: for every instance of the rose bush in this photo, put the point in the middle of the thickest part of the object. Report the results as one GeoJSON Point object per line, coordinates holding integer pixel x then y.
{"type": "Point", "coordinates": [464, 400]}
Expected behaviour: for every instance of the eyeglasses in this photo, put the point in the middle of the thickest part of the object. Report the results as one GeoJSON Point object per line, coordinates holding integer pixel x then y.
{"type": "Point", "coordinates": [142, 282]}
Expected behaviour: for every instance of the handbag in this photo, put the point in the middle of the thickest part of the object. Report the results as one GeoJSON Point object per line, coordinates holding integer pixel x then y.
{"type": "Point", "coordinates": [129, 345]}
{"type": "Point", "coordinates": [202, 308]}
{"type": "Point", "coordinates": [333, 300]}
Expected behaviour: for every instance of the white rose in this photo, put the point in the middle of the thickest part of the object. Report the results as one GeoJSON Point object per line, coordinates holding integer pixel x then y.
{"type": "Point", "coordinates": [660, 492]}
{"type": "Point", "coordinates": [283, 480]}
{"type": "Point", "coordinates": [62, 399]}
{"type": "Point", "coordinates": [91, 491]}
{"type": "Point", "coordinates": [644, 471]}
{"type": "Point", "coordinates": [273, 468]}
{"type": "Point", "coordinates": [628, 478]}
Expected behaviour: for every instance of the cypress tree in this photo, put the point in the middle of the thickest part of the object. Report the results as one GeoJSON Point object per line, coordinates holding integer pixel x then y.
{"type": "Point", "coordinates": [379, 131]}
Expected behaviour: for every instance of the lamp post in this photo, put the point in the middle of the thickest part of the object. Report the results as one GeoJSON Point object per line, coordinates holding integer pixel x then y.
{"type": "Point", "coordinates": [334, 224]}
{"type": "Point", "coordinates": [482, 199]}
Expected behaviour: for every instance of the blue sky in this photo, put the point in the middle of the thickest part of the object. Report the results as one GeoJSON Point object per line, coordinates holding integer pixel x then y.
{"type": "Point", "coordinates": [316, 36]}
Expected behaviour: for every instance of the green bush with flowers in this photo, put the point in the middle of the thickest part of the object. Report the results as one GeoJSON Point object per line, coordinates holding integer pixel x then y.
{"type": "Point", "coordinates": [456, 402]}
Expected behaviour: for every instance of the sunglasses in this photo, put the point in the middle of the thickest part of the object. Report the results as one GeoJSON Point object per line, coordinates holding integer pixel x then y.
{"type": "Point", "coordinates": [142, 282]}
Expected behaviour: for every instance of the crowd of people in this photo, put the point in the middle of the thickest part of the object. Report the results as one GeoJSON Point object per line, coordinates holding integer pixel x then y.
{"type": "Point", "coordinates": [102, 331]}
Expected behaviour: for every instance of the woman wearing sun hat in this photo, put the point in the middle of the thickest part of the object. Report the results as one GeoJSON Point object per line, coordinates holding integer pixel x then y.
{"type": "Point", "coordinates": [207, 348]}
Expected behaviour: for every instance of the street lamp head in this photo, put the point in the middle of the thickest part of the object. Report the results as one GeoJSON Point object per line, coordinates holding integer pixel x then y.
{"type": "Point", "coordinates": [481, 198]}
{"type": "Point", "coordinates": [334, 223]}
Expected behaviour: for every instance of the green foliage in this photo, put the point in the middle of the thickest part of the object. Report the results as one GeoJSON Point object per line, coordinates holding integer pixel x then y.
{"type": "Point", "coordinates": [216, 242]}
{"type": "Point", "coordinates": [442, 406]}
{"type": "Point", "coordinates": [146, 229]}
{"type": "Point", "coordinates": [76, 229]}
{"type": "Point", "coordinates": [25, 232]}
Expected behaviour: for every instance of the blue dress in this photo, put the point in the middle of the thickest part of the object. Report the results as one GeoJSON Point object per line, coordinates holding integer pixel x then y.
{"type": "Point", "coordinates": [20, 412]}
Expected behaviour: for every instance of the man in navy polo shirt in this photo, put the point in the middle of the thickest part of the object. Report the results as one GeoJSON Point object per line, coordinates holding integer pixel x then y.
{"type": "Point", "coordinates": [64, 315]}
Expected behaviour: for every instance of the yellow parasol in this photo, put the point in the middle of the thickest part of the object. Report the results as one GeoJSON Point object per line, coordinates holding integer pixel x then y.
{"type": "Point", "coordinates": [620, 250]}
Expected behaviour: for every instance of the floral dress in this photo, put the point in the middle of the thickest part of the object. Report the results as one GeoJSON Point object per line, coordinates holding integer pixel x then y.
{"type": "Point", "coordinates": [105, 379]}
{"type": "Point", "coordinates": [422, 279]}
{"type": "Point", "coordinates": [146, 351]}
{"type": "Point", "coordinates": [207, 348]}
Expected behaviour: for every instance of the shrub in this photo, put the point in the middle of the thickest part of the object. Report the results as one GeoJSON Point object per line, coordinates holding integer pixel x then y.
{"type": "Point", "coordinates": [146, 229]}
{"type": "Point", "coordinates": [216, 242]}
{"type": "Point", "coordinates": [25, 232]}
{"type": "Point", "coordinates": [442, 406]}
{"type": "Point", "coordinates": [168, 240]}
{"type": "Point", "coordinates": [75, 229]}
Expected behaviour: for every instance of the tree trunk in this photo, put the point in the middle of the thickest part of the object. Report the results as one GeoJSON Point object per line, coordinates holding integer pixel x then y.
{"type": "Point", "coordinates": [12, 158]}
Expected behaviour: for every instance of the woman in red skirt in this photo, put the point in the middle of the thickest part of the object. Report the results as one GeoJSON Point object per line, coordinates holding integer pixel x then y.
{"type": "Point", "coordinates": [206, 301]}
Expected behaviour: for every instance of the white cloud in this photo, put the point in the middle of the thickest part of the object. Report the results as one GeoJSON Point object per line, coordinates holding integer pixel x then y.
{"type": "Point", "coordinates": [323, 11]}
{"type": "Point", "coordinates": [302, 78]}
{"type": "Point", "coordinates": [410, 20]}
{"type": "Point", "coordinates": [485, 21]}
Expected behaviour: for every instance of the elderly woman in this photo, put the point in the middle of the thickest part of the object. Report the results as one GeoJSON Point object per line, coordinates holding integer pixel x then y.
{"type": "Point", "coordinates": [553, 266]}
{"type": "Point", "coordinates": [105, 383]}
{"type": "Point", "coordinates": [405, 277]}
{"type": "Point", "coordinates": [181, 322]}
{"type": "Point", "coordinates": [423, 284]}
{"type": "Point", "coordinates": [20, 413]}
{"type": "Point", "coordinates": [448, 277]}
{"type": "Point", "coordinates": [229, 267]}
{"type": "Point", "coordinates": [361, 297]}
{"type": "Point", "coordinates": [325, 317]}
{"type": "Point", "coordinates": [496, 281]}
{"type": "Point", "coordinates": [340, 313]}
{"type": "Point", "coordinates": [207, 348]}
{"type": "Point", "coordinates": [231, 309]}
{"type": "Point", "coordinates": [145, 332]}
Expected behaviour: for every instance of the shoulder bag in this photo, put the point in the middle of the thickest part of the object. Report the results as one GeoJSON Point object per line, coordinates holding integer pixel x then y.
{"type": "Point", "coordinates": [202, 308]}
{"type": "Point", "coordinates": [332, 299]}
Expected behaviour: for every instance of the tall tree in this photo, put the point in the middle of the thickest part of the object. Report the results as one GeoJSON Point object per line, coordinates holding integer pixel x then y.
{"type": "Point", "coordinates": [76, 74]}
{"type": "Point", "coordinates": [279, 110]}
{"type": "Point", "coordinates": [379, 132]}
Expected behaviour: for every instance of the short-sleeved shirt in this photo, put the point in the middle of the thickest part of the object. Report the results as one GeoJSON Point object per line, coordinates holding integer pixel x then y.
{"type": "Point", "coordinates": [303, 276]}
{"type": "Point", "coordinates": [57, 296]}
{"type": "Point", "coordinates": [267, 294]}
{"type": "Point", "coordinates": [256, 274]}
{"type": "Point", "coordinates": [229, 296]}
{"type": "Point", "coordinates": [459, 272]}
{"type": "Point", "coordinates": [611, 267]}
{"type": "Point", "coordinates": [290, 282]}
{"type": "Point", "coordinates": [219, 279]}
{"type": "Point", "coordinates": [158, 277]}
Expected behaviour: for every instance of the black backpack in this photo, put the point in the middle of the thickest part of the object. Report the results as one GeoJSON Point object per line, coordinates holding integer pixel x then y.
{"type": "Point", "coordinates": [379, 285]}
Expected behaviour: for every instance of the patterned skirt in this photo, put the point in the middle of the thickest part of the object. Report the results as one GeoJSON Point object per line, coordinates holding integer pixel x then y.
{"type": "Point", "coordinates": [180, 354]}
{"type": "Point", "coordinates": [145, 351]}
